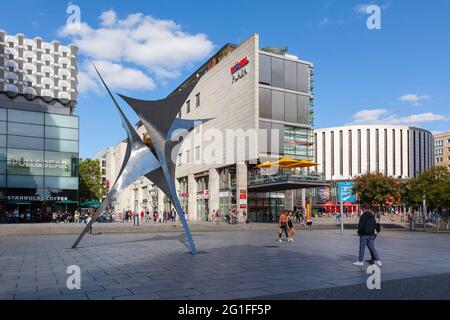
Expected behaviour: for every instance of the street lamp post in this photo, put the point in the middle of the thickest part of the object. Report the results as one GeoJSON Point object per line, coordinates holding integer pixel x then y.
{"type": "Point", "coordinates": [424, 210]}
{"type": "Point", "coordinates": [342, 211]}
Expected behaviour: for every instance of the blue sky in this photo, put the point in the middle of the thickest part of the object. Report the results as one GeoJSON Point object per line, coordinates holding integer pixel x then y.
{"type": "Point", "coordinates": [399, 74]}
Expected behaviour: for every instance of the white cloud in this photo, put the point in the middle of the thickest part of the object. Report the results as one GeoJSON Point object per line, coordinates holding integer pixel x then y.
{"type": "Point", "coordinates": [413, 97]}
{"type": "Point", "coordinates": [361, 9]}
{"type": "Point", "coordinates": [108, 18]}
{"type": "Point", "coordinates": [115, 75]}
{"type": "Point", "coordinates": [146, 45]}
{"type": "Point", "coordinates": [383, 116]}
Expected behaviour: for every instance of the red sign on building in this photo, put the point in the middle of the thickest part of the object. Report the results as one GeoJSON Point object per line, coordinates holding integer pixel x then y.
{"type": "Point", "coordinates": [239, 65]}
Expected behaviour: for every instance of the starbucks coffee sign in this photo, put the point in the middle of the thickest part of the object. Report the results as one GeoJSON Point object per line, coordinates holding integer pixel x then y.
{"type": "Point", "coordinates": [36, 198]}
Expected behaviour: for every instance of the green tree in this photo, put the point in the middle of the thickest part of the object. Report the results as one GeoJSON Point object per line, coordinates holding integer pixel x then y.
{"type": "Point", "coordinates": [90, 186]}
{"type": "Point", "coordinates": [275, 50]}
{"type": "Point", "coordinates": [435, 184]}
{"type": "Point", "coordinates": [376, 189]}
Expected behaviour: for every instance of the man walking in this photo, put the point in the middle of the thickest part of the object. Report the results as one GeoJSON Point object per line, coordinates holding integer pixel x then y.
{"type": "Point", "coordinates": [367, 229]}
{"type": "Point", "coordinates": [283, 226]}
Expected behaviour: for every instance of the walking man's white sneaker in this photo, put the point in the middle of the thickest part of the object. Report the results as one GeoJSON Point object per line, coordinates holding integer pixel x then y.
{"type": "Point", "coordinates": [378, 263]}
{"type": "Point", "coordinates": [279, 240]}
{"type": "Point", "coordinates": [358, 263]}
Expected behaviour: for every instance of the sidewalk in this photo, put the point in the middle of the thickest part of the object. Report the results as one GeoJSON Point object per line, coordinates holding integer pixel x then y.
{"type": "Point", "coordinates": [195, 226]}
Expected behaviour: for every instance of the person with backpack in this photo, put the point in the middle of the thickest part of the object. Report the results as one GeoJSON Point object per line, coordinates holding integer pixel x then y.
{"type": "Point", "coordinates": [367, 231]}
{"type": "Point", "coordinates": [283, 227]}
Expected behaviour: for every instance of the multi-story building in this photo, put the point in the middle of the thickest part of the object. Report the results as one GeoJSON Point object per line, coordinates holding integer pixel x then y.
{"type": "Point", "coordinates": [38, 130]}
{"type": "Point", "coordinates": [442, 149]}
{"type": "Point", "coordinates": [397, 151]}
{"type": "Point", "coordinates": [261, 107]}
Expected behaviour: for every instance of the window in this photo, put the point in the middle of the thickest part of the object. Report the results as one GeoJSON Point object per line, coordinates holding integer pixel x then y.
{"type": "Point", "coordinates": [31, 182]}
{"type": "Point", "coordinates": [30, 72]}
{"type": "Point", "coordinates": [291, 75]}
{"type": "Point", "coordinates": [303, 77]}
{"type": "Point", "coordinates": [47, 74]}
{"type": "Point", "coordinates": [61, 133]}
{"type": "Point", "coordinates": [30, 60]}
{"type": "Point", "coordinates": [290, 108]}
{"type": "Point", "coordinates": [103, 163]}
{"type": "Point", "coordinates": [103, 172]}
{"type": "Point", "coordinates": [66, 183]}
{"type": "Point", "coordinates": [197, 100]}
{"type": "Point", "coordinates": [65, 65]}
{"type": "Point", "coordinates": [197, 153]}
{"type": "Point", "coordinates": [11, 69]}
{"type": "Point", "coordinates": [265, 103]}
{"type": "Point", "coordinates": [188, 106]}
{"type": "Point", "coordinates": [47, 51]}
{"type": "Point", "coordinates": [47, 63]}
{"type": "Point", "coordinates": [25, 142]}
{"type": "Point", "coordinates": [47, 86]}
{"type": "Point", "coordinates": [61, 145]}
{"type": "Point", "coordinates": [188, 156]}
{"type": "Point", "coordinates": [29, 130]}
{"type": "Point", "coordinates": [30, 48]}
{"type": "Point", "coordinates": [57, 120]}
{"type": "Point", "coordinates": [278, 72]}
{"type": "Point", "coordinates": [304, 105]}
{"type": "Point", "coordinates": [265, 69]}
{"type": "Point", "coordinates": [277, 105]}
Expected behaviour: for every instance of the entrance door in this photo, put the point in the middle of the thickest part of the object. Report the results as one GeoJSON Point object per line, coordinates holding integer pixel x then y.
{"type": "Point", "coordinates": [202, 210]}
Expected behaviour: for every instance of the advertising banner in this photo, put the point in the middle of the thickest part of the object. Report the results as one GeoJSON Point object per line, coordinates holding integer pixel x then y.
{"type": "Point", "coordinates": [345, 192]}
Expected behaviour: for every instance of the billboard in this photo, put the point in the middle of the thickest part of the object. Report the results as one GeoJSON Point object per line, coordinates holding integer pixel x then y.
{"type": "Point", "coordinates": [345, 192]}
{"type": "Point", "coordinates": [323, 194]}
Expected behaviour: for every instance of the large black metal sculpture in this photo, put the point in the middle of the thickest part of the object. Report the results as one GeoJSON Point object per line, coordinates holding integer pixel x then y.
{"type": "Point", "coordinates": [152, 158]}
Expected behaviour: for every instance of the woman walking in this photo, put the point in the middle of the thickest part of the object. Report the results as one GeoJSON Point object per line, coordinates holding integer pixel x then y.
{"type": "Point", "coordinates": [291, 229]}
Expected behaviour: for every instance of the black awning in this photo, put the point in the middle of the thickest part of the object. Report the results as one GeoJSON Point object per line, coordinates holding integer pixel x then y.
{"type": "Point", "coordinates": [287, 185]}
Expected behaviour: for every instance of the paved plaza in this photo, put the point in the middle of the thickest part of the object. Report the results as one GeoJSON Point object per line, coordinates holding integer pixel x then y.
{"type": "Point", "coordinates": [230, 265]}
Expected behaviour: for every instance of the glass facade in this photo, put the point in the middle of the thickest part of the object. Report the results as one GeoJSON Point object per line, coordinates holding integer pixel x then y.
{"type": "Point", "coordinates": [38, 160]}
{"type": "Point", "coordinates": [286, 105]}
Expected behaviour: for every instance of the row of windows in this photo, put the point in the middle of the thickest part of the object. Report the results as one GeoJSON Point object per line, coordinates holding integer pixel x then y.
{"type": "Point", "coordinates": [420, 143]}
{"type": "Point", "coordinates": [283, 106]}
{"type": "Point", "coordinates": [282, 73]}
{"type": "Point", "coordinates": [34, 162]}
{"type": "Point", "coordinates": [290, 141]}
{"type": "Point", "coordinates": [440, 143]}
{"type": "Point", "coordinates": [39, 118]}
{"type": "Point", "coordinates": [197, 103]}
{"type": "Point", "coordinates": [38, 182]}
{"type": "Point", "coordinates": [20, 142]}
{"type": "Point", "coordinates": [38, 131]}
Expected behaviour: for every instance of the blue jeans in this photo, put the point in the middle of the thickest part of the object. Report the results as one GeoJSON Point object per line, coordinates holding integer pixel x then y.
{"type": "Point", "coordinates": [368, 241]}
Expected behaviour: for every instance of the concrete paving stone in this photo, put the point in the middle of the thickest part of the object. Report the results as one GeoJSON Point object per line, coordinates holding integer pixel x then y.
{"type": "Point", "coordinates": [178, 293]}
{"type": "Point", "coordinates": [324, 253]}
{"type": "Point", "coordinates": [97, 295]}
{"type": "Point", "coordinates": [242, 294]}
{"type": "Point", "coordinates": [148, 296]}
{"type": "Point", "coordinates": [213, 296]}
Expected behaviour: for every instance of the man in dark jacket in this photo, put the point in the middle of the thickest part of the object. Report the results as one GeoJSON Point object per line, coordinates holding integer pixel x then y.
{"type": "Point", "coordinates": [367, 229]}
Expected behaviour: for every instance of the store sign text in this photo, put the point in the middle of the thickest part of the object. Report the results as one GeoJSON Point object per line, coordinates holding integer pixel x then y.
{"type": "Point", "coordinates": [239, 70]}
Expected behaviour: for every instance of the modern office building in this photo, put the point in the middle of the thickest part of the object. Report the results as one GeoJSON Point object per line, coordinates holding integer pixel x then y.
{"type": "Point", "coordinates": [38, 131]}
{"type": "Point", "coordinates": [442, 149]}
{"type": "Point", "coordinates": [397, 151]}
{"type": "Point", "coordinates": [260, 107]}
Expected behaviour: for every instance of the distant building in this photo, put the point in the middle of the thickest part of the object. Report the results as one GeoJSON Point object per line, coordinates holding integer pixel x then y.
{"type": "Point", "coordinates": [442, 149]}
{"type": "Point", "coordinates": [397, 151]}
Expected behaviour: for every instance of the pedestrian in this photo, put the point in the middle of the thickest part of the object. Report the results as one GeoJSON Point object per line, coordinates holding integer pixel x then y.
{"type": "Point", "coordinates": [291, 229]}
{"type": "Point", "coordinates": [282, 226]}
{"type": "Point", "coordinates": [367, 230]}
